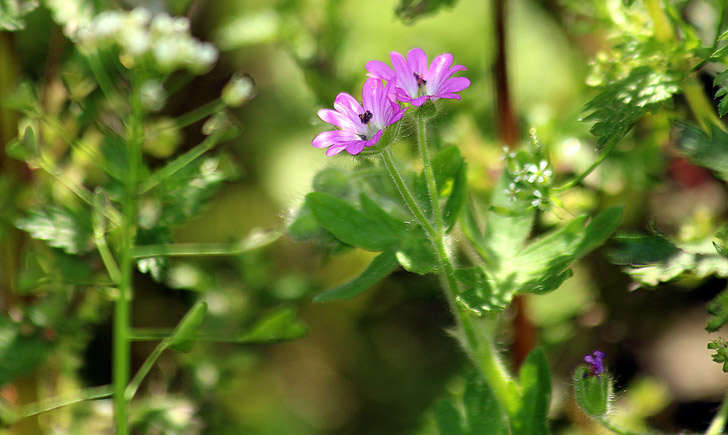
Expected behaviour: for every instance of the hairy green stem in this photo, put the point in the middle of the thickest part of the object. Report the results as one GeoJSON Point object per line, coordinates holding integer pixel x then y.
{"type": "Point", "coordinates": [253, 241]}
{"type": "Point", "coordinates": [613, 427]}
{"type": "Point", "coordinates": [479, 346]}
{"type": "Point", "coordinates": [718, 424]}
{"type": "Point", "coordinates": [405, 193]}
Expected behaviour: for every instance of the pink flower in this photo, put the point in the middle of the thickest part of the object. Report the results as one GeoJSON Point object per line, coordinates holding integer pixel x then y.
{"type": "Point", "coordinates": [359, 126]}
{"type": "Point", "coordinates": [415, 82]}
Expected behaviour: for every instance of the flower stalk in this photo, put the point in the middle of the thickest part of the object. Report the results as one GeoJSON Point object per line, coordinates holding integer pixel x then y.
{"type": "Point", "coordinates": [476, 339]}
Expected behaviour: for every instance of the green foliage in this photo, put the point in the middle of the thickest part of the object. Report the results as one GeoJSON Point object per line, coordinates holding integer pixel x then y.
{"type": "Point", "coordinates": [411, 10]}
{"type": "Point", "coordinates": [651, 260]}
{"type": "Point", "coordinates": [450, 172]}
{"type": "Point", "coordinates": [279, 325]}
{"type": "Point", "coordinates": [12, 12]}
{"type": "Point", "coordinates": [184, 334]}
{"type": "Point", "coordinates": [718, 309]}
{"type": "Point", "coordinates": [382, 265]}
{"type": "Point", "coordinates": [482, 413]}
{"type": "Point", "coordinates": [20, 351]}
{"type": "Point", "coordinates": [623, 102]}
{"type": "Point", "coordinates": [60, 227]}
{"type": "Point", "coordinates": [535, 381]}
{"type": "Point", "coordinates": [593, 393]}
{"type": "Point", "coordinates": [349, 224]}
{"type": "Point", "coordinates": [720, 355]}
{"type": "Point", "coordinates": [707, 150]}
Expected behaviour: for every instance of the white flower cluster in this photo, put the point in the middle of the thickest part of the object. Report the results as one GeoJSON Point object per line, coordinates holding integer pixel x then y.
{"type": "Point", "coordinates": [164, 39]}
{"type": "Point", "coordinates": [531, 180]}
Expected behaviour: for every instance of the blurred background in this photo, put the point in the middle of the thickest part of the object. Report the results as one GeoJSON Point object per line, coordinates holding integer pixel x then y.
{"type": "Point", "coordinates": [377, 363]}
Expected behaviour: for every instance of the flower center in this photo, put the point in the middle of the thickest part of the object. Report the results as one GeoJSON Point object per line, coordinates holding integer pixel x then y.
{"type": "Point", "coordinates": [362, 136]}
{"type": "Point", "coordinates": [420, 80]}
{"type": "Point", "coordinates": [365, 117]}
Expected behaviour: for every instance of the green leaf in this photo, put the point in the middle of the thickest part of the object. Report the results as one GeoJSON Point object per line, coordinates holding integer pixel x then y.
{"type": "Point", "coordinates": [709, 151]}
{"type": "Point", "coordinates": [335, 181]}
{"type": "Point", "coordinates": [721, 81]}
{"type": "Point", "coordinates": [640, 249]}
{"type": "Point", "coordinates": [483, 413]}
{"type": "Point", "coordinates": [411, 10]}
{"type": "Point", "coordinates": [60, 227]}
{"type": "Point", "coordinates": [25, 147]}
{"type": "Point", "coordinates": [479, 296]}
{"type": "Point", "coordinates": [374, 211]}
{"type": "Point", "coordinates": [593, 393]}
{"type": "Point", "coordinates": [279, 325]}
{"type": "Point", "coordinates": [621, 103]}
{"type": "Point", "coordinates": [184, 334]}
{"type": "Point", "coordinates": [721, 352]}
{"type": "Point", "coordinates": [19, 352]}
{"type": "Point", "coordinates": [718, 308]}
{"type": "Point", "coordinates": [543, 265]}
{"type": "Point", "coordinates": [415, 254]}
{"type": "Point", "coordinates": [448, 418]}
{"type": "Point", "coordinates": [506, 233]}
{"type": "Point", "coordinates": [382, 265]}
{"type": "Point", "coordinates": [456, 200]}
{"type": "Point", "coordinates": [349, 224]}
{"type": "Point", "coordinates": [535, 381]}
{"type": "Point", "coordinates": [12, 12]}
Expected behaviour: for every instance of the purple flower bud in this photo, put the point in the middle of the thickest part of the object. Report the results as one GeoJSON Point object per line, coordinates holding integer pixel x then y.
{"type": "Point", "coordinates": [596, 364]}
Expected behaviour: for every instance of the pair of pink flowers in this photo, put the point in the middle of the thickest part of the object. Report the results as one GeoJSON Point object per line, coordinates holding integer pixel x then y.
{"type": "Point", "coordinates": [411, 81]}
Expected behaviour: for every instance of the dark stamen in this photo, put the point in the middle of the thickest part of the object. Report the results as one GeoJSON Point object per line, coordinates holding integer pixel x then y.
{"type": "Point", "coordinates": [420, 80]}
{"type": "Point", "coordinates": [362, 136]}
{"type": "Point", "coordinates": [365, 117]}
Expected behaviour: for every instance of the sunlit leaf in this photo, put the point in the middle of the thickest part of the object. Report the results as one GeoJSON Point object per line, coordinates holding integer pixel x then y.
{"type": "Point", "coordinates": [60, 227]}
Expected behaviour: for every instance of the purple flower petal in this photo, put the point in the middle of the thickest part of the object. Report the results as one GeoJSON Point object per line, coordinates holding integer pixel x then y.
{"type": "Point", "coordinates": [405, 79]}
{"type": "Point", "coordinates": [439, 67]}
{"type": "Point", "coordinates": [373, 141]}
{"type": "Point", "coordinates": [347, 104]}
{"type": "Point", "coordinates": [379, 70]}
{"type": "Point", "coordinates": [334, 150]}
{"type": "Point", "coordinates": [333, 137]}
{"type": "Point", "coordinates": [455, 84]}
{"type": "Point", "coordinates": [355, 147]}
{"type": "Point", "coordinates": [335, 118]}
{"type": "Point", "coordinates": [417, 60]}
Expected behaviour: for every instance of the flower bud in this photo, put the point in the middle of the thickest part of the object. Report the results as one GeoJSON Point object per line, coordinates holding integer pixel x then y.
{"type": "Point", "coordinates": [593, 387]}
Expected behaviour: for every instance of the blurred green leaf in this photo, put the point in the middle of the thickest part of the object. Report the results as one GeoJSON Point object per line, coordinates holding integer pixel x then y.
{"type": "Point", "coordinates": [456, 200]}
{"type": "Point", "coordinates": [382, 265]}
{"type": "Point", "coordinates": [411, 10]}
{"type": "Point", "coordinates": [184, 334]}
{"type": "Point", "coordinates": [721, 81]}
{"type": "Point", "coordinates": [636, 249]}
{"type": "Point", "coordinates": [60, 227]}
{"type": "Point", "coordinates": [282, 324]}
{"type": "Point", "coordinates": [535, 380]}
{"type": "Point", "coordinates": [709, 151]}
{"type": "Point", "coordinates": [718, 309]}
{"type": "Point", "coordinates": [12, 12]}
{"type": "Point", "coordinates": [448, 418]}
{"type": "Point", "coordinates": [483, 414]}
{"type": "Point", "coordinates": [19, 353]}
{"type": "Point", "coordinates": [350, 225]}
